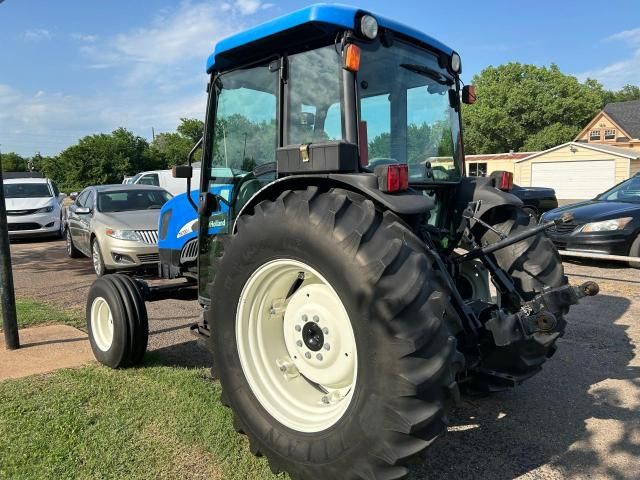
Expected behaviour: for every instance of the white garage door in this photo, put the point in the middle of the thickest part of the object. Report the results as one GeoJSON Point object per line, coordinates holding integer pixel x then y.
{"type": "Point", "coordinates": [574, 180]}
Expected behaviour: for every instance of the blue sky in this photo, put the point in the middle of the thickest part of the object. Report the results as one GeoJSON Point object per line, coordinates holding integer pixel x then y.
{"type": "Point", "coordinates": [71, 68]}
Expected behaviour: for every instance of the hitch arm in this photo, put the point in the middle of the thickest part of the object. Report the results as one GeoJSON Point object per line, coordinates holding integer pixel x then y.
{"type": "Point", "coordinates": [510, 240]}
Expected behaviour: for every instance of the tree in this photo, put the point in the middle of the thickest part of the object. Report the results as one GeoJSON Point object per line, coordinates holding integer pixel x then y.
{"type": "Point", "coordinates": [12, 162]}
{"type": "Point", "coordinates": [173, 148]}
{"type": "Point", "coordinates": [100, 159]}
{"type": "Point", "coordinates": [191, 128]}
{"type": "Point", "coordinates": [519, 104]}
{"type": "Point", "coordinates": [625, 94]}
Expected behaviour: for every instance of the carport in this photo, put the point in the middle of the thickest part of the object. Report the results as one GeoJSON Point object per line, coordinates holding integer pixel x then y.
{"type": "Point", "coordinates": [577, 171]}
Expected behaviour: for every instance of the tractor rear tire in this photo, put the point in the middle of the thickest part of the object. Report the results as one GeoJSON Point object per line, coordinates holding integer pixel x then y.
{"type": "Point", "coordinates": [117, 321]}
{"type": "Point", "coordinates": [532, 264]}
{"type": "Point", "coordinates": [392, 337]}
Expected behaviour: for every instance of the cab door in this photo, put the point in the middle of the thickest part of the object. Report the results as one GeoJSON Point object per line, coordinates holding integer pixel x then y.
{"type": "Point", "coordinates": [241, 135]}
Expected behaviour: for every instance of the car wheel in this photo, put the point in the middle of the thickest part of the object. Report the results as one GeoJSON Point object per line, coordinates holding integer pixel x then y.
{"type": "Point", "coordinates": [61, 229]}
{"type": "Point", "coordinates": [96, 257]}
{"type": "Point", "coordinates": [72, 251]}
{"type": "Point", "coordinates": [634, 251]}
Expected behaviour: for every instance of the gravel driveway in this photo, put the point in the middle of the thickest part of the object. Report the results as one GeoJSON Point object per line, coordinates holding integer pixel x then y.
{"type": "Point", "coordinates": [579, 418]}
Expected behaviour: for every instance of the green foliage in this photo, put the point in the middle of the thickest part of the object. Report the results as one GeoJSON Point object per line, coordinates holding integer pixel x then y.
{"type": "Point", "coordinates": [516, 102]}
{"type": "Point", "coordinates": [423, 141]}
{"type": "Point", "coordinates": [191, 128]}
{"type": "Point", "coordinates": [550, 136]}
{"type": "Point", "coordinates": [173, 148]}
{"type": "Point", "coordinates": [31, 312]}
{"type": "Point", "coordinates": [12, 162]}
{"type": "Point", "coordinates": [241, 143]}
{"type": "Point", "coordinates": [625, 94]}
{"type": "Point", "coordinates": [100, 159]}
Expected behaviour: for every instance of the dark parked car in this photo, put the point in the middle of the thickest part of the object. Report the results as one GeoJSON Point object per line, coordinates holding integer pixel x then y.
{"type": "Point", "coordinates": [537, 200]}
{"type": "Point", "coordinates": [610, 223]}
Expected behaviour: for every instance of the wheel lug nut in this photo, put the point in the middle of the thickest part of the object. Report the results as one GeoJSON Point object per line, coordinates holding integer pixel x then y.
{"type": "Point", "coordinates": [307, 355]}
{"type": "Point", "coordinates": [299, 343]}
{"type": "Point", "coordinates": [325, 400]}
{"type": "Point", "coordinates": [319, 356]}
{"type": "Point", "coordinates": [316, 318]}
{"type": "Point", "coordinates": [305, 318]}
{"type": "Point", "coordinates": [325, 330]}
{"type": "Point", "coordinates": [298, 328]}
{"type": "Point", "coordinates": [327, 347]}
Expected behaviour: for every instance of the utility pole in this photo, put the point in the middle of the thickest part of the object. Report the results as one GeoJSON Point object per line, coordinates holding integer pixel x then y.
{"type": "Point", "coordinates": [9, 317]}
{"type": "Point", "coordinates": [153, 133]}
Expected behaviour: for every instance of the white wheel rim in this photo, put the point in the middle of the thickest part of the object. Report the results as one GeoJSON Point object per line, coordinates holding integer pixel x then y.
{"type": "Point", "coordinates": [97, 261]}
{"type": "Point", "coordinates": [69, 244]}
{"type": "Point", "coordinates": [298, 354]}
{"type": "Point", "coordinates": [101, 324]}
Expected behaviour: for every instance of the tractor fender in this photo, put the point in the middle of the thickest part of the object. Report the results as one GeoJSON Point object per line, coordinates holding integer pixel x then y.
{"type": "Point", "coordinates": [474, 189]}
{"type": "Point", "coordinates": [403, 204]}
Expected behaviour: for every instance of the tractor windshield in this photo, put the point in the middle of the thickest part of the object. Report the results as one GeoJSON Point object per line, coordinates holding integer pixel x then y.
{"type": "Point", "coordinates": [409, 111]}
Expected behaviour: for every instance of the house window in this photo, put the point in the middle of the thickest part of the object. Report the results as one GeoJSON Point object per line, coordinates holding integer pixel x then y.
{"type": "Point", "coordinates": [594, 135]}
{"type": "Point", "coordinates": [610, 134]}
{"type": "Point", "coordinates": [478, 169]}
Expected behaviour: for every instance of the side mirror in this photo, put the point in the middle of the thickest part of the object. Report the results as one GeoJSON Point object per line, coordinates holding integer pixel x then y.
{"type": "Point", "coordinates": [307, 119]}
{"type": "Point", "coordinates": [83, 210]}
{"type": "Point", "coordinates": [469, 94]}
{"type": "Point", "coordinates": [182, 171]}
{"type": "Point", "coordinates": [209, 203]}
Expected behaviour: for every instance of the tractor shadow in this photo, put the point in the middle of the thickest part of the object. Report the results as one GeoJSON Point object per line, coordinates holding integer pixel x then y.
{"type": "Point", "coordinates": [578, 418]}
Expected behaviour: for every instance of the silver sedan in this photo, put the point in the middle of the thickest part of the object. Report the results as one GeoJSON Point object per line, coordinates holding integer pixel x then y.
{"type": "Point", "coordinates": [116, 226]}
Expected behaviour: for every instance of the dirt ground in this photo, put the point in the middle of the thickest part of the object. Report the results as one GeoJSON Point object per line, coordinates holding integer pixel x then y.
{"type": "Point", "coordinates": [578, 418]}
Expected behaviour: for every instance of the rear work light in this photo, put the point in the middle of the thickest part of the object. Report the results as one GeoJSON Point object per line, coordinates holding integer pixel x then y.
{"type": "Point", "coordinates": [503, 180]}
{"type": "Point", "coordinates": [393, 178]}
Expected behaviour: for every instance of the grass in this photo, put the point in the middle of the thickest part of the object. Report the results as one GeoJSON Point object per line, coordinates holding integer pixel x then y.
{"type": "Point", "coordinates": [31, 312]}
{"type": "Point", "coordinates": [149, 422]}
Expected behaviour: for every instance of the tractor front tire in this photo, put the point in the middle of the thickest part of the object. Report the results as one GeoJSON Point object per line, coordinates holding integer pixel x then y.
{"type": "Point", "coordinates": [532, 264]}
{"type": "Point", "coordinates": [330, 337]}
{"type": "Point", "coordinates": [117, 321]}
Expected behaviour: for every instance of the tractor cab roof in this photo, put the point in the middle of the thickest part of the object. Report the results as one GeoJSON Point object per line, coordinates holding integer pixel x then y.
{"type": "Point", "coordinates": [314, 24]}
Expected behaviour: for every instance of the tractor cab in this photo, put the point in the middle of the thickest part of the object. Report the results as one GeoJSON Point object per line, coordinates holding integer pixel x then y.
{"type": "Point", "coordinates": [329, 92]}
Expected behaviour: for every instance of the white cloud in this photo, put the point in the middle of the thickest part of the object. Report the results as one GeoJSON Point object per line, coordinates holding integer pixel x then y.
{"type": "Point", "coordinates": [248, 7]}
{"type": "Point", "coordinates": [155, 76]}
{"type": "Point", "coordinates": [37, 34]}
{"type": "Point", "coordinates": [84, 38]}
{"type": "Point", "coordinates": [621, 72]}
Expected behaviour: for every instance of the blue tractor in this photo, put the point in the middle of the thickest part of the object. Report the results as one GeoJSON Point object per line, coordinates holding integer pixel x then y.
{"type": "Point", "coordinates": [341, 256]}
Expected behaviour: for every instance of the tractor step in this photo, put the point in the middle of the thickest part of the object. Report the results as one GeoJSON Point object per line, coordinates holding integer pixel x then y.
{"type": "Point", "coordinates": [202, 334]}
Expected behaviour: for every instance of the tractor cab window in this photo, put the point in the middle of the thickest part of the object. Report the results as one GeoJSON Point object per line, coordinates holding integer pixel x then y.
{"type": "Point", "coordinates": [409, 111]}
{"type": "Point", "coordinates": [314, 113]}
{"type": "Point", "coordinates": [245, 128]}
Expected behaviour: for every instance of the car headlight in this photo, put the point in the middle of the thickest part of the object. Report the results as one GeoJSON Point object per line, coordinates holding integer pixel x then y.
{"type": "Point", "coordinates": [188, 228]}
{"type": "Point", "coordinates": [48, 209]}
{"type": "Point", "coordinates": [606, 225]}
{"type": "Point", "coordinates": [130, 235]}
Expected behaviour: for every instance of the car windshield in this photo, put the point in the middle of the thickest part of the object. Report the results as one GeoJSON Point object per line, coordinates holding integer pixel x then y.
{"type": "Point", "coordinates": [131, 200]}
{"type": "Point", "coordinates": [628, 191]}
{"type": "Point", "coordinates": [408, 111]}
{"type": "Point", "coordinates": [27, 190]}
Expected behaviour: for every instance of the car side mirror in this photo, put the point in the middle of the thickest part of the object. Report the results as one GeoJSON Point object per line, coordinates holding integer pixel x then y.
{"type": "Point", "coordinates": [83, 210]}
{"type": "Point", "coordinates": [182, 171]}
{"type": "Point", "coordinates": [469, 94]}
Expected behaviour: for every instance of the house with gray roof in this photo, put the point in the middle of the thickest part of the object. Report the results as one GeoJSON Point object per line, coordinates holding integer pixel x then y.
{"type": "Point", "coordinates": [617, 124]}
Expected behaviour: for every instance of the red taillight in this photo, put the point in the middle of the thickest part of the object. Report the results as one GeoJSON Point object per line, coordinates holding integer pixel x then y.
{"type": "Point", "coordinates": [505, 181]}
{"type": "Point", "coordinates": [393, 178]}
